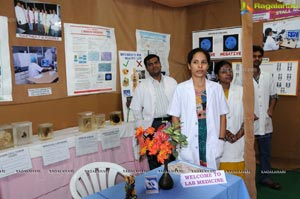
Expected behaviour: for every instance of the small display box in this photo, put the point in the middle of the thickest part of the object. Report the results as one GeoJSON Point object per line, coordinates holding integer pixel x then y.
{"type": "Point", "coordinates": [115, 117]}
{"type": "Point", "coordinates": [45, 131]}
{"type": "Point", "coordinates": [86, 121]}
{"type": "Point", "coordinates": [6, 136]}
{"type": "Point", "coordinates": [100, 120]}
{"type": "Point", "coordinates": [22, 132]}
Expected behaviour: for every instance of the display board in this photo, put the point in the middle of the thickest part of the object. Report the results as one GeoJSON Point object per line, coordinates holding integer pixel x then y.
{"type": "Point", "coordinates": [154, 43]}
{"type": "Point", "coordinates": [281, 34]}
{"type": "Point", "coordinates": [5, 73]}
{"type": "Point", "coordinates": [91, 59]}
{"type": "Point", "coordinates": [223, 43]}
{"type": "Point", "coordinates": [285, 75]}
{"type": "Point", "coordinates": [132, 72]}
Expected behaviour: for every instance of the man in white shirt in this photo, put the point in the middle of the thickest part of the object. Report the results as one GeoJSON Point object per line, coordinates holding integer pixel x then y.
{"type": "Point", "coordinates": [34, 69]}
{"type": "Point", "coordinates": [55, 25]}
{"type": "Point", "coordinates": [21, 18]}
{"type": "Point", "coordinates": [265, 98]}
{"type": "Point", "coordinates": [152, 97]}
{"type": "Point", "coordinates": [30, 18]}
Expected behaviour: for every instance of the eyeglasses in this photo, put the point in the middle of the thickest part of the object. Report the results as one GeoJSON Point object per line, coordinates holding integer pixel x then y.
{"type": "Point", "coordinates": [226, 70]}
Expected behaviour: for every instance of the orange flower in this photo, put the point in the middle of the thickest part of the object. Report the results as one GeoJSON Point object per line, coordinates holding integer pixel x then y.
{"type": "Point", "coordinates": [150, 130]}
{"type": "Point", "coordinates": [159, 143]}
{"type": "Point", "coordinates": [143, 150]}
{"type": "Point", "coordinates": [162, 136]}
{"type": "Point", "coordinates": [139, 131]}
{"type": "Point", "coordinates": [154, 148]}
{"type": "Point", "coordinates": [161, 157]}
{"type": "Point", "coordinates": [167, 147]}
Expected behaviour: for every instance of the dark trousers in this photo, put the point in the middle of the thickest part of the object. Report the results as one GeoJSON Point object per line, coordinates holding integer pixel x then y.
{"type": "Point", "coordinates": [264, 147]}
{"type": "Point", "coordinates": [152, 159]}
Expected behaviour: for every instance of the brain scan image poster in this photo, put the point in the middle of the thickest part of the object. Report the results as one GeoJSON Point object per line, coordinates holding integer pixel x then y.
{"type": "Point", "coordinates": [231, 42]}
{"type": "Point", "coordinates": [220, 43]}
{"type": "Point", "coordinates": [206, 43]}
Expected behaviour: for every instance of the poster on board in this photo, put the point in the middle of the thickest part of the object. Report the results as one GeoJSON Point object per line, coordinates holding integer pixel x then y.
{"type": "Point", "coordinates": [154, 43]}
{"type": "Point", "coordinates": [225, 43]}
{"type": "Point", "coordinates": [285, 75]}
{"type": "Point", "coordinates": [36, 20]}
{"type": "Point", "coordinates": [132, 72]}
{"type": "Point", "coordinates": [5, 70]}
{"type": "Point", "coordinates": [274, 11]}
{"type": "Point", "coordinates": [90, 59]}
{"type": "Point", "coordinates": [283, 34]}
{"type": "Point", "coordinates": [35, 64]}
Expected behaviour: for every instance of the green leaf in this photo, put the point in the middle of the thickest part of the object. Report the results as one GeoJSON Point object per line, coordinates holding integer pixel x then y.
{"type": "Point", "coordinates": [175, 153]}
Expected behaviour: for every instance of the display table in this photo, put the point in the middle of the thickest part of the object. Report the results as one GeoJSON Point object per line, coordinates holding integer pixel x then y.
{"type": "Point", "coordinates": [46, 77]}
{"type": "Point", "coordinates": [52, 181]}
{"type": "Point", "coordinates": [289, 43]}
{"type": "Point", "coordinates": [235, 188]}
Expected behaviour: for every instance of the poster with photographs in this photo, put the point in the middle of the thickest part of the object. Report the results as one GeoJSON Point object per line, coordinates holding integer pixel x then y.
{"type": "Point", "coordinates": [132, 72]}
{"type": "Point", "coordinates": [5, 70]}
{"type": "Point", "coordinates": [285, 75]}
{"type": "Point", "coordinates": [35, 64]}
{"type": "Point", "coordinates": [222, 43]}
{"type": "Point", "coordinates": [91, 59]}
{"type": "Point", "coordinates": [283, 34]}
{"type": "Point", "coordinates": [37, 20]}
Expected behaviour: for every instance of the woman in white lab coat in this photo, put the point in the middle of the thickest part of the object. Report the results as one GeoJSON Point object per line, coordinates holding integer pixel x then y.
{"type": "Point", "coordinates": [200, 106]}
{"type": "Point", "coordinates": [269, 42]}
{"type": "Point", "coordinates": [233, 157]}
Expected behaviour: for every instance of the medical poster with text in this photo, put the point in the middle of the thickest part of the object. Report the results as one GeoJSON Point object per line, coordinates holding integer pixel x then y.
{"type": "Point", "coordinates": [90, 59]}
{"type": "Point", "coordinates": [154, 43]}
{"type": "Point", "coordinates": [132, 72]}
{"type": "Point", "coordinates": [5, 70]}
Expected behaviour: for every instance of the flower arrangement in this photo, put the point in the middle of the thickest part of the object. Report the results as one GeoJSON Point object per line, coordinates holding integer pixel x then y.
{"type": "Point", "coordinates": [161, 143]}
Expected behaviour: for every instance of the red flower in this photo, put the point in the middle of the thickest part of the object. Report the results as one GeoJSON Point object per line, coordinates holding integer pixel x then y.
{"type": "Point", "coordinates": [156, 143]}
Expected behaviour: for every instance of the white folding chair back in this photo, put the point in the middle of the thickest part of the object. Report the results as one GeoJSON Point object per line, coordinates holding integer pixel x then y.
{"type": "Point", "coordinates": [95, 177]}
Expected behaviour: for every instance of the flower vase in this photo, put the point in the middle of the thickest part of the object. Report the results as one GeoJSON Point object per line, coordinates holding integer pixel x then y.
{"type": "Point", "coordinates": [166, 181]}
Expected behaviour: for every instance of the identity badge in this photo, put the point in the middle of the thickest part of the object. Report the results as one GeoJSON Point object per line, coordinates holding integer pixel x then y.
{"type": "Point", "coordinates": [151, 184]}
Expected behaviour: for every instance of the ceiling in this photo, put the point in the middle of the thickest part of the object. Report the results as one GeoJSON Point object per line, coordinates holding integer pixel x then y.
{"type": "Point", "coordinates": [179, 3]}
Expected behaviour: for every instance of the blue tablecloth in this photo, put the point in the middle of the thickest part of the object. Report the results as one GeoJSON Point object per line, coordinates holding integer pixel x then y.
{"type": "Point", "coordinates": [234, 189]}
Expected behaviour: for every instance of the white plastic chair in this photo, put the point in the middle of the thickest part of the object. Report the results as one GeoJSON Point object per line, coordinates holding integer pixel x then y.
{"type": "Point", "coordinates": [95, 177]}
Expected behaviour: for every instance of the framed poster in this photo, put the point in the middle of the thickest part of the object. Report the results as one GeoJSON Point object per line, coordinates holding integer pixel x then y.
{"type": "Point", "coordinates": [132, 72]}
{"type": "Point", "coordinates": [285, 75]}
{"type": "Point", "coordinates": [91, 59]}
{"type": "Point", "coordinates": [225, 43]}
{"type": "Point", "coordinates": [283, 34]}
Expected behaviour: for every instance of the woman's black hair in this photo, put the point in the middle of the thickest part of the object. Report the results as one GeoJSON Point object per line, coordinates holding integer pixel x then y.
{"type": "Point", "coordinates": [196, 50]}
{"type": "Point", "coordinates": [219, 65]}
{"type": "Point", "coordinates": [267, 32]}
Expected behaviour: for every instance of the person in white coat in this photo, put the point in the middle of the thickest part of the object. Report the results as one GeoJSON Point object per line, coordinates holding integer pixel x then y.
{"type": "Point", "coordinates": [199, 105]}
{"type": "Point", "coordinates": [265, 99]}
{"type": "Point", "coordinates": [232, 159]}
{"type": "Point", "coordinates": [34, 69]}
{"type": "Point", "coordinates": [269, 42]}
{"type": "Point", "coordinates": [21, 17]}
{"type": "Point", "coordinates": [151, 99]}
